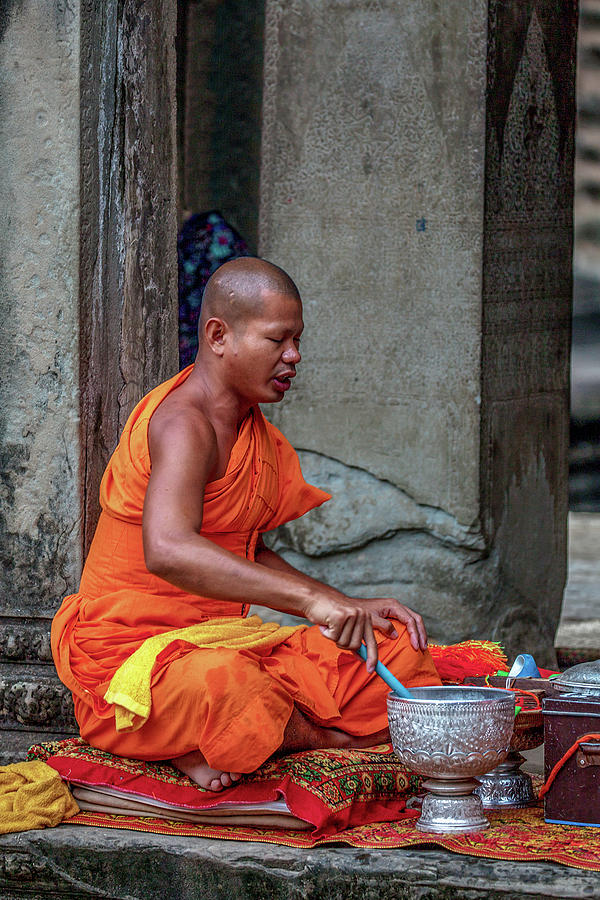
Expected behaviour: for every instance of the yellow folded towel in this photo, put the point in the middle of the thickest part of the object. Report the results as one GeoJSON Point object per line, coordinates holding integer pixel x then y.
{"type": "Point", "coordinates": [129, 689]}
{"type": "Point", "coordinates": [33, 795]}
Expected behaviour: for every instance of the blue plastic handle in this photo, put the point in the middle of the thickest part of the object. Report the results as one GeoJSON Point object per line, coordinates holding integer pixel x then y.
{"type": "Point", "coordinates": [383, 672]}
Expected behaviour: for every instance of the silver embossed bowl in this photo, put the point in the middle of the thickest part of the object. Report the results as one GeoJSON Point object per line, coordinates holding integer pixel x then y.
{"type": "Point", "coordinates": [451, 734]}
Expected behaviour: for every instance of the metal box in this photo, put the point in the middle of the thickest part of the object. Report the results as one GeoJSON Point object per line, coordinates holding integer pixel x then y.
{"type": "Point", "coordinates": [574, 796]}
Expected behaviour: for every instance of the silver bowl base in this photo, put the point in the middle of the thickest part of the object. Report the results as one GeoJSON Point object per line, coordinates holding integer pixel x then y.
{"type": "Point", "coordinates": [451, 807]}
{"type": "Point", "coordinates": [506, 786]}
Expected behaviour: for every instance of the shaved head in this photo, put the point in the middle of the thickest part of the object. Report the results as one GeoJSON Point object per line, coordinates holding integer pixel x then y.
{"type": "Point", "coordinates": [235, 291]}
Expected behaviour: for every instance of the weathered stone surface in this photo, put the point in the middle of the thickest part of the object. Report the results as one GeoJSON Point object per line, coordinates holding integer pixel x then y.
{"type": "Point", "coordinates": [39, 195]}
{"type": "Point", "coordinates": [578, 634]}
{"type": "Point", "coordinates": [363, 508]}
{"type": "Point", "coordinates": [429, 576]}
{"type": "Point", "coordinates": [25, 640]}
{"type": "Point", "coordinates": [16, 742]}
{"type": "Point", "coordinates": [87, 295]}
{"type": "Point", "coordinates": [128, 297]}
{"type": "Point", "coordinates": [35, 700]}
{"type": "Point", "coordinates": [526, 301]}
{"type": "Point", "coordinates": [424, 573]}
{"type": "Point", "coordinates": [75, 862]}
{"type": "Point", "coordinates": [373, 137]}
{"type": "Point", "coordinates": [417, 183]}
{"type": "Point", "coordinates": [34, 705]}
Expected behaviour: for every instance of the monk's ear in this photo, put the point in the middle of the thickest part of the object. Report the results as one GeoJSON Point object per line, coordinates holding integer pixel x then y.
{"type": "Point", "coordinates": [215, 331]}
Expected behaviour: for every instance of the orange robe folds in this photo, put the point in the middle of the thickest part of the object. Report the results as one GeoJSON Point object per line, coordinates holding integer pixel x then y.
{"type": "Point", "coordinates": [231, 704]}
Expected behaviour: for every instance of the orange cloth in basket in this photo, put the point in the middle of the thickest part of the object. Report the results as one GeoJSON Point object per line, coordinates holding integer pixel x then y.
{"type": "Point", "coordinates": [233, 705]}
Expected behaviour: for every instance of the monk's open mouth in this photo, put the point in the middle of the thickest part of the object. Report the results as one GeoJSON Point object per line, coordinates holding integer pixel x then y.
{"type": "Point", "coordinates": [282, 384]}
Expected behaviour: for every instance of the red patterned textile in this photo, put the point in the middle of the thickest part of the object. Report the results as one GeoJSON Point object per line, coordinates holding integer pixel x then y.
{"type": "Point", "coordinates": [331, 789]}
{"type": "Point", "coordinates": [518, 834]}
{"type": "Point", "coordinates": [350, 786]}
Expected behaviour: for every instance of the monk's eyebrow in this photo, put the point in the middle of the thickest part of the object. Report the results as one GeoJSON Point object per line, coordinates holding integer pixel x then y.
{"type": "Point", "coordinates": [274, 327]}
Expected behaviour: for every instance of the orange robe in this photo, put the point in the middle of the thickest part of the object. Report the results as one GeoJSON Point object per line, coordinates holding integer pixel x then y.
{"type": "Point", "coordinates": [232, 705]}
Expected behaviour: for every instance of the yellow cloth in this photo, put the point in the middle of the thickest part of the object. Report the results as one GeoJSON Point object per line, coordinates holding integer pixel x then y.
{"type": "Point", "coordinates": [130, 687]}
{"type": "Point", "coordinates": [33, 795]}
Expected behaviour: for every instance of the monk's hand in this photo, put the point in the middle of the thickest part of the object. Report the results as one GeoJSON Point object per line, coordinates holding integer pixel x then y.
{"type": "Point", "coordinates": [391, 609]}
{"type": "Point", "coordinates": [349, 622]}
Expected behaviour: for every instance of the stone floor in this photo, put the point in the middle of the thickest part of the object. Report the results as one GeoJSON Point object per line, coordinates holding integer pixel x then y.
{"type": "Point", "coordinates": [79, 862]}
{"type": "Point", "coordinates": [578, 635]}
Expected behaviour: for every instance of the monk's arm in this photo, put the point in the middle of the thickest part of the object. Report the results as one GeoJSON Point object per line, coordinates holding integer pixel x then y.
{"type": "Point", "coordinates": [272, 560]}
{"type": "Point", "coordinates": [414, 623]}
{"type": "Point", "coordinates": [184, 456]}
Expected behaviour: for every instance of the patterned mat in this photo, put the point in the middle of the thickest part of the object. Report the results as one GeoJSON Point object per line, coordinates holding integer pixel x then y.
{"type": "Point", "coordinates": [515, 834]}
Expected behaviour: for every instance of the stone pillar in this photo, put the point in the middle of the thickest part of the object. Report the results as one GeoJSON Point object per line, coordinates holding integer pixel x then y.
{"type": "Point", "coordinates": [40, 516]}
{"type": "Point", "coordinates": [128, 297]}
{"type": "Point", "coordinates": [87, 325]}
{"type": "Point", "coordinates": [417, 183]}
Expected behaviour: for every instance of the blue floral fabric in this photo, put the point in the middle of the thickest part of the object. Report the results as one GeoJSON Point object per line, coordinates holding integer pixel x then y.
{"type": "Point", "coordinates": [204, 243]}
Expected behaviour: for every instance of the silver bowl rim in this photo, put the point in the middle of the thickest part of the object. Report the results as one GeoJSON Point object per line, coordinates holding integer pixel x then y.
{"type": "Point", "coordinates": [491, 695]}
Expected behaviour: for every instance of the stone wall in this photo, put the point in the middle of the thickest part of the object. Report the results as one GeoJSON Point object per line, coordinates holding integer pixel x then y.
{"type": "Point", "coordinates": [584, 482]}
{"type": "Point", "coordinates": [87, 300]}
{"type": "Point", "coordinates": [40, 518]}
{"type": "Point", "coordinates": [417, 182]}
{"type": "Point", "coordinates": [128, 264]}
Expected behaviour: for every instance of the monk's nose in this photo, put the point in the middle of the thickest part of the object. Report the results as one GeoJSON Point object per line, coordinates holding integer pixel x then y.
{"type": "Point", "coordinates": [291, 355]}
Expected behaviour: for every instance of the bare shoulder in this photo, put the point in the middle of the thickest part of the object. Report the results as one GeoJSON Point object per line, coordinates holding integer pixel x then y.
{"type": "Point", "coordinates": [181, 427]}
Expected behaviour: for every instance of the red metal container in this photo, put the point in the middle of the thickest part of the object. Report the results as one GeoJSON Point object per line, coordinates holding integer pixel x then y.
{"type": "Point", "coordinates": [572, 723]}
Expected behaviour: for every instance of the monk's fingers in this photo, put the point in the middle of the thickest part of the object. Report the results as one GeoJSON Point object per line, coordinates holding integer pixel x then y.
{"type": "Point", "coordinates": [351, 635]}
{"type": "Point", "coordinates": [414, 622]}
{"type": "Point", "coordinates": [386, 626]}
{"type": "Point", "coordinates": [333, 627]}
{"type": "Point", "coordinates": [372, 650]}
{"type": "Point", "coordinates": [414, 625]}
{"type": "Point", "coordinates": [422, 633]}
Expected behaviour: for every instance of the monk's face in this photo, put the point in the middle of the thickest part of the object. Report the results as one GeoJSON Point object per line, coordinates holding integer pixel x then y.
{"type": "Point", "coordinates": [264, 351]}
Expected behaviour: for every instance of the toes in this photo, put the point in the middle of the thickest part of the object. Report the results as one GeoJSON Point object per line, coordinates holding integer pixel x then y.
{"type": "Point", "coordinates": [225, 779]}
{"type": "Point", "coordinates": [234, 776]}
{"type": "Point", "coordinates": [216, 785]}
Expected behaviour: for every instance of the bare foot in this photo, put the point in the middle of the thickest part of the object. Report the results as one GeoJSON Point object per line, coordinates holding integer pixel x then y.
{"type": "Point", "coordinates": [302, 734]}
{"type": "Point", "coordinates": [195, 767]}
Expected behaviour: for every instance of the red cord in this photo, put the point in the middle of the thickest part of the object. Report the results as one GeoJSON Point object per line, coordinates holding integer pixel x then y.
{"type": "Point", "coordinates": [566, 756]}
{"type": "Point", "coordinates": [521, 693]}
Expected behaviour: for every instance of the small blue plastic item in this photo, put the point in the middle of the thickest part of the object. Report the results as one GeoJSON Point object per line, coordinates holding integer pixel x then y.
{"type": "Point", "coordinates": [524, 666]}
{"type": "Point", "coordinates": [383, 672]}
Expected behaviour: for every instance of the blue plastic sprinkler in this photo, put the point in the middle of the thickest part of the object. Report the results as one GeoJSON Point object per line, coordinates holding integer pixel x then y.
{"type": "Point", "coordinates": [383, 672]}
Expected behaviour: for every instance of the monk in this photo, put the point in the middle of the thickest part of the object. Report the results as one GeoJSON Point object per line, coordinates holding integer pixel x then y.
{"type": "Point", "coordinates": [198, 477]}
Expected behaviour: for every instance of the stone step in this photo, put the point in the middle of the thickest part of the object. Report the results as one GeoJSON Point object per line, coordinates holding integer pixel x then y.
{"type": "Point", "coordinates": [587, 152]}
{"type": "Point", "coordinates": [588, 231]}
{"type": "Point", "coordinates": [589, 189]}
{"type": "Point", "coordinates": [588, 109]}
{"type": "Point", "coordinates": [588, 18]}
{"type": "Point", "coordinates": [85, 862]}
{"type": "Point", "coordinates": [589, 56]}
{"type": "Point", "coordinates": [578, 634]}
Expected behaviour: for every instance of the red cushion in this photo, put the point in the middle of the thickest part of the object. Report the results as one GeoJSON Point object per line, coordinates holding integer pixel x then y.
{"type": "Point", "coordinates": [331, 789]}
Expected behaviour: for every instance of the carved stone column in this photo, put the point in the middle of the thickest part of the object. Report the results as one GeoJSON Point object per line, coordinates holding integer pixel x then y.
{"type": "Point", "coordinates": [417, 183]}
{"type": "Point", "coordinates": [87, 297]}
{"type": "Point", "coordinates": [128, 296]}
